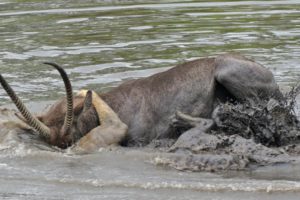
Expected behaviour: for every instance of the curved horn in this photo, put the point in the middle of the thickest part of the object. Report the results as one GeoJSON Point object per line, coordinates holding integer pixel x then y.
{"type": "Point", "coordinates": [32, 121]}
{"type": "Point", "coordinates": [69, 115]}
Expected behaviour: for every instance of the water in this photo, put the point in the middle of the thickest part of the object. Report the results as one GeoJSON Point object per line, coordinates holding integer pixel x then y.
{"type": "Point", "coordinates": [103, 43]}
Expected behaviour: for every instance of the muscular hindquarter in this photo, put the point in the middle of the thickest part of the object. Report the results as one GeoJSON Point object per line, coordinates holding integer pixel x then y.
{"type": "Point", "coordinates": [194, 88]}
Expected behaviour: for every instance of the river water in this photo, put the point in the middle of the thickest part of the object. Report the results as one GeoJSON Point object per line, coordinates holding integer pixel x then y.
{"type": "Point", "coordinates": [103, 43]}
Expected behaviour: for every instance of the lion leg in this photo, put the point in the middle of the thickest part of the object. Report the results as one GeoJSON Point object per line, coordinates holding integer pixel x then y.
{"type": "Point", "coordinates": [101, 137]}
{"type": "Point", "coordinates": [111, 130]}
{"type": "Point", "coordinates": [245, 79]}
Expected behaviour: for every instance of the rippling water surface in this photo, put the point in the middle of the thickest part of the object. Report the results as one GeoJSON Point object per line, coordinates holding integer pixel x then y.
{"type": "Point", "coordinates": [103, 43]}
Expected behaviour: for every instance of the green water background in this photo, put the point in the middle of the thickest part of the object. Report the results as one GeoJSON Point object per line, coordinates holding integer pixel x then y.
{"type": "Point", "coordinates": [103, 43]}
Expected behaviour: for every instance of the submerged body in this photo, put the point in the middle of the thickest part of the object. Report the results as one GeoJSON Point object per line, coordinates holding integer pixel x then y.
{"type": "Point", "coordinates": [139, 111]}
{"type": "Point", "coordinates": [146, 105]}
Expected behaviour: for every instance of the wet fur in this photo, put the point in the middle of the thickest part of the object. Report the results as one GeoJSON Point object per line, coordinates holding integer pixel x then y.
{"type": "Point", "coordinates": [54, 119]}
{"type": "Point", "coordinates": [146, 105]}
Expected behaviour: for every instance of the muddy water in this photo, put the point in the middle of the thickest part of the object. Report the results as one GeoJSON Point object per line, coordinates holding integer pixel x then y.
{"type": "Point", "coordinates": [103, 43]}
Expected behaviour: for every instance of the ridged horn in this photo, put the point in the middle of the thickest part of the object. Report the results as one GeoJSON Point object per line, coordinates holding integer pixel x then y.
{"type": "Point", "coordinates": [32, 121]}
{"type": "Point", "coordinates": [70, 113]}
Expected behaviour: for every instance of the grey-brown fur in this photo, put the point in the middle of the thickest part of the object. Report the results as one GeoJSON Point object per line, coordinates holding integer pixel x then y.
{"type": "Point", "coordinates": [146, 105]}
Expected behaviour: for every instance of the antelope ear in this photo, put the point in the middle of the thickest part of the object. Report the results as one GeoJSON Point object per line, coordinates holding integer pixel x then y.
{"type": "Point", "coordinates": [23, 124]}
{"type": "Point", "coordinates": [88, 101]}
{"type": "Point", "coordinates": [20, 117]}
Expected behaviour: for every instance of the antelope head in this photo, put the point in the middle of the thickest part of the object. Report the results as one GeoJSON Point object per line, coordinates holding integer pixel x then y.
{"type": "Point", "coordinates": [66, 121]}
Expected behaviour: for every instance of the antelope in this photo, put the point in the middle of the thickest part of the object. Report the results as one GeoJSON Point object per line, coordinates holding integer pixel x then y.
{"type": "Point", "coordinates": [139, 111]}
